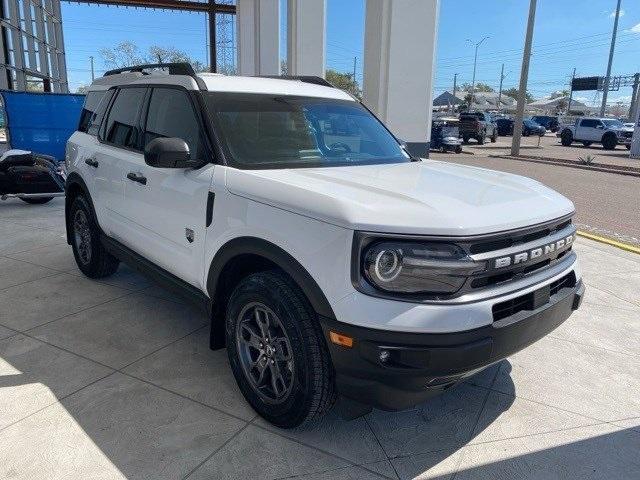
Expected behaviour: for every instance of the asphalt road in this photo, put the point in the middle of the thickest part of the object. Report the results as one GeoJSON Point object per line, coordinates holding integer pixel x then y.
{"type": "Point", "coordinates": [606, 204]}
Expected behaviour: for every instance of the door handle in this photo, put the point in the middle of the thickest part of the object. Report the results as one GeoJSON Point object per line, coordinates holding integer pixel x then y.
{"type": "Point", "coordinates": [92, 162]}
{"type": "Point", "coordinates": [137, 177]}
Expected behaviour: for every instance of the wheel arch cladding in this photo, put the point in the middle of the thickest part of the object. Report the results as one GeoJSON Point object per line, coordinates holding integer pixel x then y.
{"type": "Point", "coordinates": [74, 186]}
{"type": "Point", "coordinates": [249, 255]}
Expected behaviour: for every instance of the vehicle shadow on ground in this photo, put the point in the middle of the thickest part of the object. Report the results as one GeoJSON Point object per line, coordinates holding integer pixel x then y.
{"type": "Point", "coordinates": [129, 425]}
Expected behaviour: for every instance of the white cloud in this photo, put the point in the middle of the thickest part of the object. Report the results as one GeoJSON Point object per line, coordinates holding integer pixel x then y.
{"type": "Point", "coordinates": [635, 29]}
{"type": "Point", "coordinates": [613, 14]}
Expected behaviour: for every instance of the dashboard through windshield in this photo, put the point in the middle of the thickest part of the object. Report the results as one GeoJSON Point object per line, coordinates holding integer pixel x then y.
{"type": "Point", "coordinates": [277, 131]}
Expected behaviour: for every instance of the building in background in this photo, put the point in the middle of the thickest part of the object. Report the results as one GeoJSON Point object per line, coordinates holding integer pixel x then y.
{"type": "Point", "coordinates": [31, 46]}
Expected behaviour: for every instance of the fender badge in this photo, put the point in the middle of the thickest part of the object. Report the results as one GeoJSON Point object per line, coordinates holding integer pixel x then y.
{"type": "Point", "coordinates": [189, 234]}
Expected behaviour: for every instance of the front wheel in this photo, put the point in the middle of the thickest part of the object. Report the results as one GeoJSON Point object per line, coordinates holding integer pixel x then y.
{"type": "Point", "coordinates": [566, 138]}
{"type": "Point", "coordinates": [277, 351]}
{"type": "Point", "coordinates": [36, 200]}
{"type": "Point", "coordinates": [494, 137]}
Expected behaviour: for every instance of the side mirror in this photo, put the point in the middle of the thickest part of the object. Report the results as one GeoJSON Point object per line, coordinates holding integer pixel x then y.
{"type": "Point", "coordinates": [167, 153]}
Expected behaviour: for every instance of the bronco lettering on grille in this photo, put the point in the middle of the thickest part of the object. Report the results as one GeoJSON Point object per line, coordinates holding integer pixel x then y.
{"type": "Point", "coordinates": [523, 257]}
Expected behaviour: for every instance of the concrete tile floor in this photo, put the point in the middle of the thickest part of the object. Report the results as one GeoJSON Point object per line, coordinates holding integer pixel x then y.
{"type": "Point", "coordinates": [114, 379]}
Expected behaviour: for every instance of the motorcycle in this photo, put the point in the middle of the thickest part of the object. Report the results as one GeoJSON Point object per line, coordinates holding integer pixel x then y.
{"type": "Point", "coordinates": [32, 177]}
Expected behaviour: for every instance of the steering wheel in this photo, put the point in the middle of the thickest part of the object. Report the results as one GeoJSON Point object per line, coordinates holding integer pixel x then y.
{"type": "Point", "coordinates": [340, 146]}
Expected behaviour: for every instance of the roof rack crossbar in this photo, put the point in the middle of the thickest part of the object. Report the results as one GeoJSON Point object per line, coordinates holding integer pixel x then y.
{"type": "Point", "coordinates": [176, 68]}
{"type": "Point", "coordinates": [303, 78]}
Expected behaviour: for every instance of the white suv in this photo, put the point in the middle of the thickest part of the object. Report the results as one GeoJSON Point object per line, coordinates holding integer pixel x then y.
{"type": "Point", "coordinates": [331, 262]}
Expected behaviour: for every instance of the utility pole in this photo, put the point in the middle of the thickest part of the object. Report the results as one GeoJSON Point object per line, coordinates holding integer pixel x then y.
{"type": "Point", "coordinates": [635, 98]}
{"type": "Point", "coordinates": [93, 75]}
{"type": "Point", "coordinates": [573, 75]}
{"type": "Point", "coordinates": [524, 76]}
{"type": "Point", "coordinates": [455, 89]}
{"type": "Point", "coordinates": [475, 60]}
{"type": "Point", "coordinates": [611, 50]}
{"type": "Point", "coordinates": [502, 76]}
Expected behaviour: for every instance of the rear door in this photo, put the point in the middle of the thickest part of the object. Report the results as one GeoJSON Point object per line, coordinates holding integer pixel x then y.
{"type": "Point", "coordinates": [167, 214]}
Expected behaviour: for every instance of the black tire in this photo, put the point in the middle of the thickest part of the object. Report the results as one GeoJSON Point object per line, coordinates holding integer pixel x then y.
{"type": "Point", "coordinates": [465, 139]}
{"type": "Point", "coordinates": [586, 144]}
{"type": "Point", "coordinates": [566, 138]}
{"type": "Point", "coordinates": [308, 382]}
{"type": "Point", "coordinates": [36, 200]}
{"type": "Point", "coordinates": [628, 147]}
{"type": "Point", "coordinates": [494, 137]}
{"type": "Point", "coordinates": [609, 141]}
{"type": "Point", "coordinates": [91, 257]}
{"type": "Point", "coordinates": [481, 139]}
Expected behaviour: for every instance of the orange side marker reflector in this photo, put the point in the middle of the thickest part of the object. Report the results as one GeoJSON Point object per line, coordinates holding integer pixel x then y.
{"type": "Point", "coordinates": [340, 339]}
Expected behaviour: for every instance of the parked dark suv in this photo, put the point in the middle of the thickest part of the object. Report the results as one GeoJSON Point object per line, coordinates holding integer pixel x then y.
{"type": "Point", "coordinates": [548, 122]}
{"type": "Point", "coordinates": [529, 127]}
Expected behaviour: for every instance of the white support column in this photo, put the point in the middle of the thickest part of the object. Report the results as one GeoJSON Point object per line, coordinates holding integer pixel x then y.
{"type": "Point", "coordinates": [399, 64]}
{"type": "Point", "coordinates": [258, 37]}
{"type": "Point", "coordinates": [306, 37]}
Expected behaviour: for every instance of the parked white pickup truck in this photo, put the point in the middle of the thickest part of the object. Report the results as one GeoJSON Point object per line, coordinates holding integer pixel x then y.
{"type": "Point", "coordinates": [607, 131]}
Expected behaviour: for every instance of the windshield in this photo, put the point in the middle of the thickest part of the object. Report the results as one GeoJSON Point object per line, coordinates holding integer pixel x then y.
{"type": "Point", "coordinates": [530, 123]}
{"type": "Point", "coordinates": [266, 131]}
{"type": "Point", "coordinates": [613, 123]}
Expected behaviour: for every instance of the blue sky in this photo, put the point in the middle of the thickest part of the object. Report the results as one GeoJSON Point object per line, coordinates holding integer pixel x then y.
{"type": "Point", "coordinates": [568, 34]}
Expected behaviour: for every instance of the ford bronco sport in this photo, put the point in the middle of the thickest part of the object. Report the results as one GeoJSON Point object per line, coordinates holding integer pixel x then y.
{"type": "Point", "coordinates": [332, 263]}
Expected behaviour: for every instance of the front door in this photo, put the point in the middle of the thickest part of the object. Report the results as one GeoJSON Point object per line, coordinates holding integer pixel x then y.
{"type": "Point", "coordinates": [167, 206]}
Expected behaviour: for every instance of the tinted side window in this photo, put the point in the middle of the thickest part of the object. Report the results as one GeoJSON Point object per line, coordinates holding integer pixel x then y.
{"type": "Point", "coordinates": [171, 115]}
{"type": "Point", "coordinates": [122, 122]}
{"type": "Point", "coordinates": [588, 123]}
{"type": "Point", "coordinates": [91, 102]}
{"type": "Point", "coordinates": [98, 115]}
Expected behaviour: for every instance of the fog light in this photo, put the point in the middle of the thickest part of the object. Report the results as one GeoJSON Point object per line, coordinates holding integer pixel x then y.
{"type": "Point", "coordinates": [384, 356]}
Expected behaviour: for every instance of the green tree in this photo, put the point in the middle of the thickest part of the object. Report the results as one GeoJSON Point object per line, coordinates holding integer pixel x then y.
{"type": "Point", "coordinates": [559, 93]}
{"type": "Point", "coordinates": [344, 81]}
{"type": "Point", "coordinates": [126, 54]}
{"type": "Point", "coordinates": [479, 87]}
{"type": "Point", "coordinates": [513, 92]}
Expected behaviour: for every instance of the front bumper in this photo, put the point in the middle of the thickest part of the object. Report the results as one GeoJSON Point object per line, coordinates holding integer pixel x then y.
{"type": "Point", "coordinates": [421, 365]}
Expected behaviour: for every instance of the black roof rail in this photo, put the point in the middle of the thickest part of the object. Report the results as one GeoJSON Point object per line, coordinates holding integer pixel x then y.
{"type": "Point", "coordinates": [176, 68]}
{"type": "Point", "coordinates": [302, 78]}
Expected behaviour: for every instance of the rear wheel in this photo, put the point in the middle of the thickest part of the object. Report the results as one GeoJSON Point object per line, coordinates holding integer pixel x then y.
{"type": "Point", "coordinates": [91, 257]}
{"type": "Point", "coordinates": [566, 138]}
{"type": "Point", "coordinates": [609, 141]}
{"type": "Point", "coordinates": [277, 350]}
{"type": "Point", "coordinates": [494, 137]}
{"type": "Point", "coordinates": [36, 200]}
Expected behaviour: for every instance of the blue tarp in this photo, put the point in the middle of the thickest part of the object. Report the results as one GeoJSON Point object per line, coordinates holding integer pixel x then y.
{"type": "Point", "coordinates": [41, 122]}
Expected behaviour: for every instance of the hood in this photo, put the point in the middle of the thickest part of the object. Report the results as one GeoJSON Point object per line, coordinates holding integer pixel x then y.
{"type": "Point", "coordinates": [425, 198]}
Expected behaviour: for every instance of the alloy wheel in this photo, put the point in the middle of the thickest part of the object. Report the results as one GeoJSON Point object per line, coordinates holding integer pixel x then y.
{"type": "Point", "coordinates": [264, 350]}
{"type": "Point", "coordinates": [82, 236]}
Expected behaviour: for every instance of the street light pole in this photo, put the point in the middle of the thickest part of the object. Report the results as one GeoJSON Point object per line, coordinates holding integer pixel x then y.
{"type": "Point", "coordinates": [611, 50]}
{"type": "Point", "coordinates": [573, 76]}
{"type": "Point", "coordinates": [475, 60]}
{"type": "Point", "coordinates": [524, 76]}
{"type": "Point", "coordinates": [455, 89]}
{"type": "Point", "coordinates": [502, 76]}
{"type": "Point", "coordinates": [93, 75]}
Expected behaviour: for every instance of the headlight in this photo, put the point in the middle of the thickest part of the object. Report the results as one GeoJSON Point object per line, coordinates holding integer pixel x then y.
{"type": "Point", "coordinates": [407, 267]}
